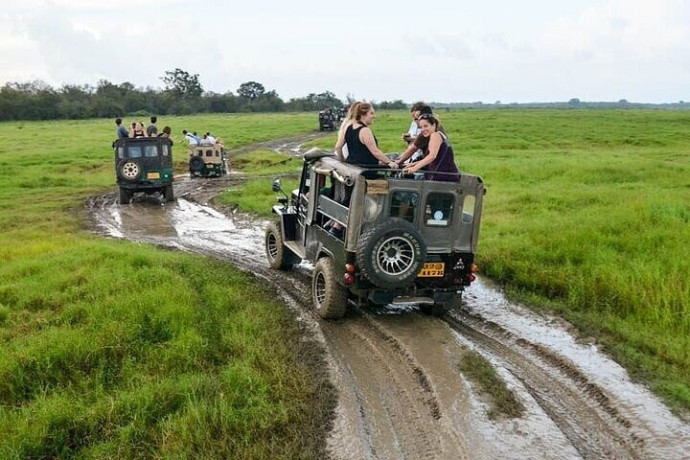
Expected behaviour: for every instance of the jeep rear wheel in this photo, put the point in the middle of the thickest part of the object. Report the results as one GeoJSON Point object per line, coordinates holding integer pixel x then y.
{"type": "Point", "coordinates": [129, 169]}
{"type": "Point", "coordinates": [168, 193]}
{"type": "Point", "coordinates": [329, 296]}
{"type": "Point", "coordinates": [279, 256]}
{"type": "Point", "coordinates": [391, 254]}
{"type": "Point", "coordinates": [125, 196]}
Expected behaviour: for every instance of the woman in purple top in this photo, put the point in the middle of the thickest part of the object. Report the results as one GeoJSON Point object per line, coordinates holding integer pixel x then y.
{"type": "Point", "coordinates": [438, 154]}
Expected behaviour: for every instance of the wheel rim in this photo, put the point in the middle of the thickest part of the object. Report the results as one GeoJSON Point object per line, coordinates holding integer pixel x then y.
{"type": "Point", "coordinates": [272, 246]}
{"type": "Point", "coordinates": [130, 170]}
{"type": "Point", "coordinates": [395, 256]}
{"type": "Point", "coordinates": [320, 289]}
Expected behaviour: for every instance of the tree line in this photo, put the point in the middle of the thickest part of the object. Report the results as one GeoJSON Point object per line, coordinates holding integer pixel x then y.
{"type": "Point", "coordinates": [183, 94]}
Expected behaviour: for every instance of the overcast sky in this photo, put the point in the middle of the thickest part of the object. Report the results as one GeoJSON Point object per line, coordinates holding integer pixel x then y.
{"type": "Point", "coordinates": [438, 50]}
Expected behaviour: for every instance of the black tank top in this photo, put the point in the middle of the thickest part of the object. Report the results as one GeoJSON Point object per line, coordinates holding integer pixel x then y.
{"type": "Point", "coordinates": [358, 153]}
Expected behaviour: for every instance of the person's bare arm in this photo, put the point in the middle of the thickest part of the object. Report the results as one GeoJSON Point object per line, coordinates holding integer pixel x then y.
{"type": "Point", "coordinates": [340, 142]}
{"type": "Point", "coordinates": [409, 151]}
{"type": "Point", "coordinates": [434, 145]}
{"type": "Point", "coordinates": [367, 138]}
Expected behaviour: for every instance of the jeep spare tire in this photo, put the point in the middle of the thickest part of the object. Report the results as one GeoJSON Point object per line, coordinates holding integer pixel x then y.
{"type": "Point", "coordinates": [196, 164]}
{"type": "Point", "coordinates": [129, 170]}
{"type": "Point", "coordinates": [391, 254]}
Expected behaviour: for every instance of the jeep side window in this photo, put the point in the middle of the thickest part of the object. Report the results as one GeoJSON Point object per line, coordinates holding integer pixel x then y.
{"type": "Point", "coordinates": [438, 211]}
{"type": "Point", "coordinates": [151, 151]}
{"type": "Point", "coordinates": [120, 152]}
{"type": "Point", "coordinates": [165, 150]}
{"type": "Point", "coordinates": [468, 209]}
{"type": "Point", "coordinates": [403, 204]}
{"type": "Point", "coordinates": [134, 151]}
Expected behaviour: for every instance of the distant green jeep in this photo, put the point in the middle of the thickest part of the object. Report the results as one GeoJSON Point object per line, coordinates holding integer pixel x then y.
{"type": "Point", "coordinates": [144, 165]}
{"type": "Point", "coordinates": [207, 161]}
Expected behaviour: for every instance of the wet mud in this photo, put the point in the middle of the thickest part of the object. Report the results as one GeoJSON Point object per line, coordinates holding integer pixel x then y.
{"type": "Point", "coordinates": [400, 391]}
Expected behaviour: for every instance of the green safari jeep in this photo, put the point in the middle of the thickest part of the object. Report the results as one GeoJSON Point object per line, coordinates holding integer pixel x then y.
{"type": "Point", "coordinates": [144, 165]}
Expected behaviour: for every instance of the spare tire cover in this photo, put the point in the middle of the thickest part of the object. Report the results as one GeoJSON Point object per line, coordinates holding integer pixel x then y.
{"type": "Point", "coordinates": [391, 254]}
{"type": "Point", "coordinates": [129, 169]}
{"type": "Point", "coordinates": [196, 164]}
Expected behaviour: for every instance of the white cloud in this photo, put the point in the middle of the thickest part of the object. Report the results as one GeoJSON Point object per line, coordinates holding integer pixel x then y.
{"type": "Point", "coordinates": [457, 50]}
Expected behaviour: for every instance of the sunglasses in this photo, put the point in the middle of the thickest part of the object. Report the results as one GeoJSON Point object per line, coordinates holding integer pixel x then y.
{"type": "Point", "coordinates": [426, 116]}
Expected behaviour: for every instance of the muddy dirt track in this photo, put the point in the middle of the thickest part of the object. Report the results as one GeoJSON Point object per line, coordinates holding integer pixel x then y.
{"type": "Point", "coordinates": [400, 392]}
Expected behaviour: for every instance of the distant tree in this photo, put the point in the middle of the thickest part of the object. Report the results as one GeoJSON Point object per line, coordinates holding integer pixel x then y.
{"type": "Point", "coordinates": [391, 105]}
{"type": "Point", "coordinates": [251, 90]}
{"type": "Point", "coordinates": [574, 102]}
{"type": "Point", "coordinates": [182, 83]}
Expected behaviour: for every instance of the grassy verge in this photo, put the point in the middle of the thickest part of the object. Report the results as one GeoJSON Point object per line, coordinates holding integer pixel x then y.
{"type": "Point", "coordinates": [501, 400]}
{"type": "Point", "coordinates": [261, 167]}
{"type": "Point", "coordinates": [586, 214]}
{"type": "Point", "coordinates": [110, 349]}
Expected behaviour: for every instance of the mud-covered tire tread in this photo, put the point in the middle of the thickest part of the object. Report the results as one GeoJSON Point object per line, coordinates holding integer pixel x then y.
{"type": "Point", "coordinates": [278, 255]}
{"type": "Point", "coordinates": [125, 196]}
{"type": "Point", "coordinates": [168, 193]}
{"type": "Point", "coordinates": [367, 247]}
{"type": "Point", "coordinates": [333, 303]}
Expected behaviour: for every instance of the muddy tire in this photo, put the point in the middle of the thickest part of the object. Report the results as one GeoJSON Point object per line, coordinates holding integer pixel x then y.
{"type": "Point", "coordinates": [391, 254]}
{"type": "Point", "coordinates": [196, 164]}
{"type": "Point", "coordinates": [125, 196]}
{"type": "Point", "coordinates": [330, 299]}
{"type": "Point", "coordinates": [168, 193]}
{"type": "Point", "coordinates": [129, 170]}
{"type": "Point", "coordinates": [278, 255]}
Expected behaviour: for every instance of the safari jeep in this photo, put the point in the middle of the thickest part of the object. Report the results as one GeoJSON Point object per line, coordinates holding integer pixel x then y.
{"type": "Point", "coordinates": [207, 161]}
{"type": "Point", "coordinates": [403, 239]}
{"type": "Point", "coordinates": [144, 165]}
{"type": "Point", "coordinates": [326, 120]}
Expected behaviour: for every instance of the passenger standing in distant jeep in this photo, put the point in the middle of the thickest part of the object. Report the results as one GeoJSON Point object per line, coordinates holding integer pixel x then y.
{"type": "Point", "coordinates": [121, 131]}
{"type": "Point", "coordinates": [152, 129]}
{"type": "Point", "coordinates": [438, 154]}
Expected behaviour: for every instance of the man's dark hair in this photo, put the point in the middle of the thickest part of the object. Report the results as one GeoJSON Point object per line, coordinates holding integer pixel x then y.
{"type": "Point", "coordinates": [118, 121]}
{"type": "Point", "coordinates": [184, 131]}
{"type": "Point", "coordinates": [417, 106]}
{"type": "Point", "coordinates": [154, 119]}
{"type": "Point", "coordinates": [425, 109]}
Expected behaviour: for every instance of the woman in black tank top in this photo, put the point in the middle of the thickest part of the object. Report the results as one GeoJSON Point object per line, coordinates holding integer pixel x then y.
{"type": "Point", "coordinates": [361, 143]}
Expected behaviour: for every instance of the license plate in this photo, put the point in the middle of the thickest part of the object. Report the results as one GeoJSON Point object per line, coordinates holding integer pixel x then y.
{"type": "Point", "coordinates": [432, 269]}
{"type": "Point", "coordinates": [153, 175]}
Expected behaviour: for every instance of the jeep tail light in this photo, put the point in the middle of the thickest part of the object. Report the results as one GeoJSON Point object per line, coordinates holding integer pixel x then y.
{"type": "Point", "coordinates": [350, 268]}
{"type": "Point", "coordinates": [470, 278]}
{"type": "Point", "coordinates": [474, 268]}
{"type": "Point", "coordinates": [349, 278]}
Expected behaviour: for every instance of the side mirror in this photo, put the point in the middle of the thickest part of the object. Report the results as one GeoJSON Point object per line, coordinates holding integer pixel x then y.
{"type": "Point", "coordinates": [276, 185]}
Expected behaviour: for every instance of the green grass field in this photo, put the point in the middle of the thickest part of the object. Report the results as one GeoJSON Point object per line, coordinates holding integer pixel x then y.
{"type": "Point", "coordinates": [110, 349]}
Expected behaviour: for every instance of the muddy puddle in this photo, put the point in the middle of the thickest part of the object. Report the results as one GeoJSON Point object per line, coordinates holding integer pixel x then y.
{"type": "Point", "coordinates": [401, 394]}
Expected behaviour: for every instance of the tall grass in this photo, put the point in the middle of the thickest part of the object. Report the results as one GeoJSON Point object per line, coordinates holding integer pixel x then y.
{"type": "Point", "coordinates": [587, 213]}
{"type": "Point", "coordinates": [110, 349]}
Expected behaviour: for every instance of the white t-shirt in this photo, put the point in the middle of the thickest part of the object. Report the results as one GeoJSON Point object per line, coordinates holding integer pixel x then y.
{"type": "Point", "coordinates": [414, 131]}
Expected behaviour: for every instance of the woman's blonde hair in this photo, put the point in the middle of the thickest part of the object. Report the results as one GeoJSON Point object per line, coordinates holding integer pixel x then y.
{"type": "Point", "coordinates": [358, 110]}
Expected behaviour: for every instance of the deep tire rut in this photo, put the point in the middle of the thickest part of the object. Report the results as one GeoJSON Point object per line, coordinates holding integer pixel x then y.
{"type": "Point", "coordinates": [579, 408]}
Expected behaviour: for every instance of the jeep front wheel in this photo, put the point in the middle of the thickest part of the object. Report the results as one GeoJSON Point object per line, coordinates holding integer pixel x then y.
{"type": "Point", "coordinates": [391, 254]}
{"type": "Point", "coordinates": [329, 296]}
{"type": "Point", "coordinates": [279, 257]}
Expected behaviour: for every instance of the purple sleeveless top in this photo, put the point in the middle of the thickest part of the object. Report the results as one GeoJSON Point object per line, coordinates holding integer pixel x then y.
{"type": "Point", "coordinates": [443, 163]}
